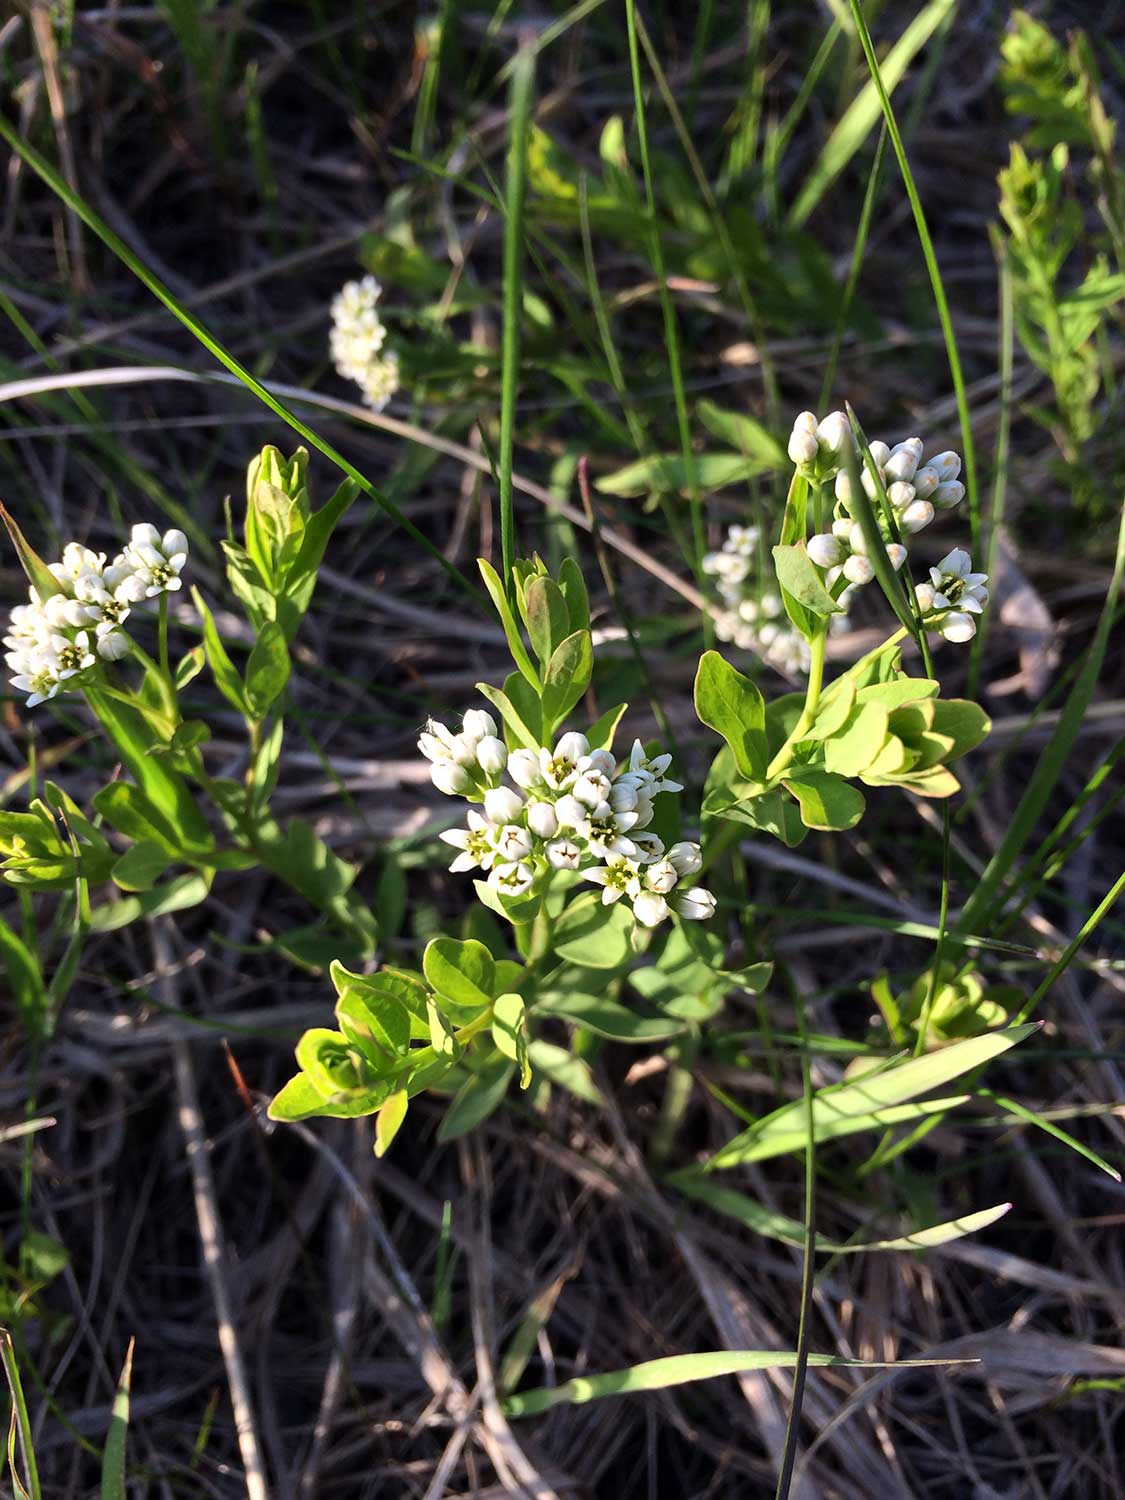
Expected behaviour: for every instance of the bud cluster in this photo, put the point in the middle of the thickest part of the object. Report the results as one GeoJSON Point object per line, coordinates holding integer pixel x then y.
{"type": "Point", "coordinates": [57, 636]}
{"type": "Point", "coordinates": [357, 342]}
{"type": "Point", "coordinates": [568, 808]}
{"type": "Point", "coordinates": [817, 448]}
{"type": "Point", "coordinates": [754, 618]}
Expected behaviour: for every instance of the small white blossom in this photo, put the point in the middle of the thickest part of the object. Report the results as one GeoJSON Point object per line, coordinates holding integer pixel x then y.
{"type": "Point", "coordinates": [357, 339]}
{"type": "Point", "coordinates": [686, 858]}
{"type": "Point", "coordinates": [502, 805]}
{"type": "Point", "coordinates": [563, 854]}
{"type": "Point", "coordinates": [512, 879]}
{"type": "Point", "coordinates": [113, 644]}
{"type": "Point", "coordinates": [649, 846]}
{"type": "Point", "coordinates": [523, 768]}
{"type": "Point", "coordinates": [157, 561]}
{"type": "Point", "coordinates": [478, 725]}
{"type": "Point", "coordinates": [916, 517]}
{"type": "Point", "coordinates": [514, 843]}
{"type": "Point", "coordinates": [661, 876]}
{"type": "Point", "coordinates": [542, 819]}
{"type": "Point", "coordinates": [475, 842]}
{"type": "Point", "coordinates": [650, 908]}
{"type": "Point", "coordinates": [617, 877]}
{"type": "Point", "coordinates": [450, 778]}
{"type": "Point", "coordinates": [491, 754]}
{"type": "Point", "coordinates": [695, 905]}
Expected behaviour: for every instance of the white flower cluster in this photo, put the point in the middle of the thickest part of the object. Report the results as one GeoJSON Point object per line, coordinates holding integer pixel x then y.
{"type": "Point", "coordinates": [55, 638]}
{"type": "Point", "coordinates": [754, 618]}
{"type": "Point", "coordinates": [357, 341]}
{"type": "Point", "coordinates": [816, 448]}
{"type": "Point", "coordinates": [569, 808]}
{"type": "Point", "coordinates": [954, 596]}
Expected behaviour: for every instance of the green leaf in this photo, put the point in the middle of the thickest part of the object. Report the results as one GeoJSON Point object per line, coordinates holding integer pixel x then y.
{"type": "Point", "coordinates": [797, 575]}
{"type": "Point", "coordinates": [832, 711]}
{"type": "Point", "coordinates": [546, 616]}
{"type": "Point", "coordinates": [562, 1067]}
{"type": "Point", "coordinates": [25, 979]}
{"type": "Point", "coordinates": [600, 734]}
{"type": "Point", "coordinates": [731, 705]}
{"type": "Point", "coordinates": [509, 1032]}
{"type": "Point", "coordinates": [38, 574]}
{"type": "Point", "coordinates": [223, 670]}
{"type": "Point", "coordinates": [777, 1226]}
{"type": "Point", "coordinates": [298, 1100]}
{"type": "Point", "coordinates": [508, 621]}
{"type": "Point", "coordinates": [141, 866]}
{"type": "Point", "coordinates": [126, 808]}
{"type": "Point", "coordinates": [744, 433]}
{"type": "Point", "coordinates": [389, 1119]}
{"type": "Point", "coordinates": [441, 1032]}
{"type": "Point", "coordinates": [376, 1021]}
{"type": "Point", "coordinates": [606, 1017]}
{"type": "Point", "coordinates": [573, 586]}
{"type": "Point", "coordinates": [826, 801]}
{"type": "Point", "coordinates": [113, 1457]}
{"type": "Point", "coordinates": [594, 935]}
{"type": "Point", "coordinates": [461, 971]}
{"type": "Point", "coordinates": [771, 812]}
{"type": "Point", "coordinates": [682, 1369]}
{"type": "Point", "coordinates": [857, 742]}
{"type": "Point", "coordinates": [476, 1099]}
{"type": "Point", "coordinates": [267, 670]}
{"type": "Point", "coordinates": [667, 473]}
{"type": "Point", "coordinates": [518, 729]}
{"type": "Point", "coordinates": [868, 1098]}
{"type": "Point", "coordinates": [566, 678]}
{"type": "Point", "coordinates": [965, 723]}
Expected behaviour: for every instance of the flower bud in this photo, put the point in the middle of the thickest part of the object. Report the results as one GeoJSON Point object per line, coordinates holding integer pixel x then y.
{"type": "Point", "coordinates": [917, 515]}
{"type": "Point", "coordinates": [478, 725]}
{"type": "Point", "coordinates": [947, 464]}
{"type": "Point", "coordinates": [650, 909]}
{"type": "Point", "coordinates": [904, 460]}
{"type": "Point", "coordinates": [661, 877]}
{"type": "Point", "coordinates": [113, 645]}
{"type": "Point", "coordinates": [880, 452]}
{"type": "Point", "coordinates": [696, 905]}
{"type": "Point", "coordinates": [842, 529]}
{"type": "Point", "coordinates": [599, 760]}
{"type": "Point", "coordinates": [463, 751]}
{"type": "Point", "coordinates": [649, 846]}
{"type": "Point", "coordinates": [901, 494]}
{"type": "Point", "coordinates": [541, 819]}
{"type": "Point", "coordinates": [834, 432]}
{"type": "Point", "coordinates": [570, 811]}
{"type": "Point", "coordinates": [492, 754]}
{"type": "Point", "coordinates": [897, 554]}
{"type": "Point", "coordinates": [925, 596]}
{"type": "Point", "coordinates": [450, 778]}
{"type": "Point", "coordinates": [857, 569]}
{"type": "Point", "coordinates": [843, 486]}
{"type": "Point", "coordinates": [686, 858]}
{"type": "Point", "coordinates": [513, 842]}
{"type": "Point", "coordinates": [564, 854]}
{"type": "Point", "coordinates": [502, 805]}
{"type": "Point", "coordinates": [805, 421]}
{"type": "Point", "coordinates": [803, 447]}
{"type": "Point", "coordinates": [958, 626]}
{"type": "Point", "coordinates": [926, 482]}
{"type": "Point", "coordinates": [523, 768]}
{"type": "Point", "coordinates": [591, 788]}
{"type": "Point", "coordinates": [856, 539]}
{"type": "Point", "coordinates": [825, 550]}
{"type": "Point", "coordinates": [947, 495]}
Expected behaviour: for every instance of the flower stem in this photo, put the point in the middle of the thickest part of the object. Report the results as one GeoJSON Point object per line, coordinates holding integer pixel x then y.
{"type": "Point", "coordinates": [165, 666]}
{"type": "Point", "coordinates": [812, 699]}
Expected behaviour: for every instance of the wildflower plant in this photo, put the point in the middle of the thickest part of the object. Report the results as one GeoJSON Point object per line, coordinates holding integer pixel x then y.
{"type": "Point", "coordinates": [162, 833]}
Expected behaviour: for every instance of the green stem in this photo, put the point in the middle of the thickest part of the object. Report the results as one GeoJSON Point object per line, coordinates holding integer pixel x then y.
{"type": "Point", "coordinates": [812, 699]}
{"type": "Point", "coordinates": [165, 665]}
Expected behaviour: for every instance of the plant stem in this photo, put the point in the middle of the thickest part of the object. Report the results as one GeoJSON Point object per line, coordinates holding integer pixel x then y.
{"type": "Point", "coordinates": [812, 699]}
{"type": "Point", "coordinates": [165, 665]}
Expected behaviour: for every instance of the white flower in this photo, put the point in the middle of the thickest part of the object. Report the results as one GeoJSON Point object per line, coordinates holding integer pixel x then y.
{"type": "Point", "coordinates": [591, 788]}
{"type": "Point", "coordinates": [604, 832]}
{"type": "Point", "coordinates": [512, 879]}
{"type": "Point", "coordinates": [617, 877]}
{"type": "Point", "coordinates": [743, 539]}
{"type": "Point", "coordinates": [559, 767]}
{"type": "Point", "coordinates": [650, 908]}
{"type": "Point", "coordinates": [661, 876]}
{"type": "Point", "coordinates": [478, 725]}
{"type": "Point", "coordinates": [513, 842]}
{"type": "Point", "coordinates": [542, 819]}
{"type": "Point", "coordinates": [491, 754]}
{"type": "Point", "coordinates": [356, 342]}
{"type": "Point", "coordinates": [502, 805]}
{"type": "Point", "coordinates": [649, 846]}
{"type": "Point", "coordinates": [475, 842]}
{"type": "Point", "coordinates": [380, 381]}
{"type": "Point", "coordinates": [686, 858]}
{"type": "Point", "coordinates": [71, 656]}
{"type": "Point", "coordinates": [825, 550]}
{"type": "Point", "coordinates": [523, 768]}
{"type": "Point", "coordinates": [38, 681]}
{"type": "Point", "coordinates": [563, 854]}
{"type": "Point", "coordinates": [599, 760]}
{"type": "Point", "coordinates": [953, 597]}
{"type": "Point", "coordinates": [157, 561]}
{"type": "Point", "coordinates": [450, 778]}
{"type": "Point", "coordinates": [696, 905]}
{"type": "Point", "coordinates": [113, 644]}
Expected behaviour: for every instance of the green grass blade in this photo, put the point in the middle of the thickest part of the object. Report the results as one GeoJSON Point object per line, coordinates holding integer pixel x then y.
{"type": "Point", "coordinates": [682, 1369]}
{"type": "Point", "coordinates": [515, 198]}
{"type": "Point", "coordinates": [859, 118]}
{"type": "Point", "coordinates": [940, 300]}
{"type": "Point", "coordinates": [1021, 1112]}
{"type": "Point", "coordinates": [874, 1096]}
{"type": "Point", "coordinates": [113, 1460]}
{"type": "Point", "coordinates": [1059, 968]}
{"type": "Point", "coordinates": [1052, 762]}
{"type": "Point", "coordinates": [20, 1423]}
{"type": "Point", "coordinates": [78, 205]}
